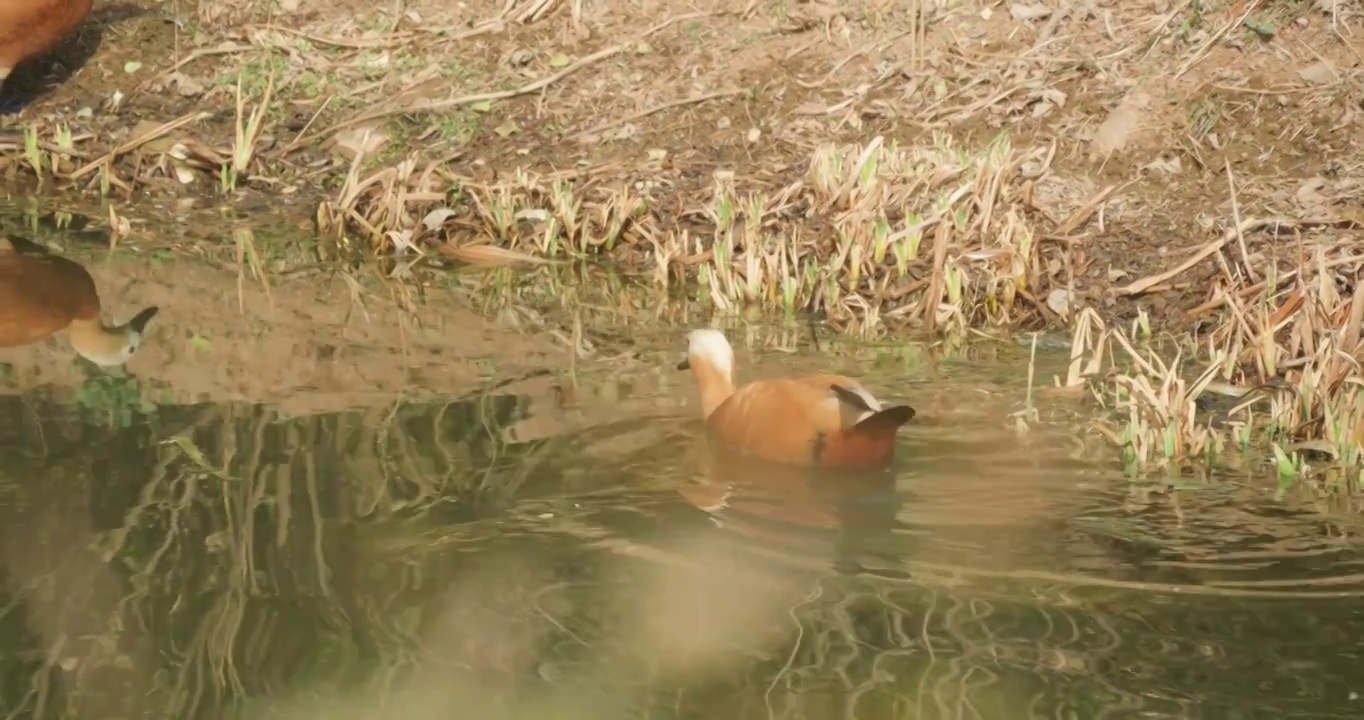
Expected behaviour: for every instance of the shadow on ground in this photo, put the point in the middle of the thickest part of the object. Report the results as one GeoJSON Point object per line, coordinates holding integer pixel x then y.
{"type": "Point", "coordinates": [38, 76]}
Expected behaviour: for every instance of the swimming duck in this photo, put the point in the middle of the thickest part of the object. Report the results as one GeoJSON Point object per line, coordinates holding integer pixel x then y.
{"type": "Point", "coordinates": [41, 294]}
{"type": "Point", "coordinates": [818, 420]}
{"type": "Point", "coordinates": [29, 28]}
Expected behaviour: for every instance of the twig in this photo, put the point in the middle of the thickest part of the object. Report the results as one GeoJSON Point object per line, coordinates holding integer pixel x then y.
{"type": "Point", "coordinates": [503, 94]}
{"type": "Point", "coordinates": [839, 65]}
{"type": "Point", "coordinates": [1276, 90]}
{"type": "Point", "coordinates": [1052, 24]}
{"type": "Point", "coordinates": [1140, 286]}
{"type": "Point", "coordinates": [196, 55]}
{"type": "Point", "coordinates": [1217, 36]}
{"type": "Point", "coordinates": [389, 40]}
{"type": "Point", "coordinates": [137, 142]}
{"type": "Point", "coordinates": [1236, 218]}
{"type": "Point", "coordinates": [1350, 333]}
{"type": "Point", "coordinates": [657, 109]}
{"type": "Point", "coordinates": [933, 298]}
{"type": "Point", "coordinates": [1153, 41]}
{"type": "Point", "coordinates": [1249, 290]}
{"type": "Point", "coordinates": [536, 10]}
{"type": "Point", "coordinates": [1083, 213]}
{"type": "Point", "coordinates": [394, 38]}
{"type": "Point", "coordinates": [966, 111]}
{"type": "Point", "coordinates": [316, 113]}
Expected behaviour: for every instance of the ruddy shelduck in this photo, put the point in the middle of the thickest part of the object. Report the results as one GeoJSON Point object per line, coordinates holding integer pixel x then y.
{"type": "Point", "coordinates": [818, 420]}
{"type": "Point", "coordinates": [29, 28]}
{"type": "Point", "coordinates": [42, 294]}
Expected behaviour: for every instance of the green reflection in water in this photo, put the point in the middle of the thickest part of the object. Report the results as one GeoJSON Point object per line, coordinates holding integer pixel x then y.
{"type": "Point", "coordinates": [419, 560]}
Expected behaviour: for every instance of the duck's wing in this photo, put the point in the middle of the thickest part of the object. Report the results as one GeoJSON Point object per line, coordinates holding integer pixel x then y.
{"type": "Point", "coordinates": [40, 295]}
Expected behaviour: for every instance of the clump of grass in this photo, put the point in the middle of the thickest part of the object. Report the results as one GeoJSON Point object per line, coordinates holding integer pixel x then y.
{"type": "Point", "coordinates": [1158, 406]}
{"type": "Point", "coordinates": [531, 215]}
{"type": "Point", "coordinates": [246, 136]}
{"type": "Point", "coordinates": [1285, 350]}
{"type": "Point", "coordinates": [114, 401]}
{"type": "Point", "coordinates": [875, 235]}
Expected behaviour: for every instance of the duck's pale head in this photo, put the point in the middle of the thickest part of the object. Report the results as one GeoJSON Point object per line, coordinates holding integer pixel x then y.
{"type": "Point", "coordinates": [710, 348]}
{"type": "Point", "coordinates": [711, 360]}
{"type": "Point", "coordinates": [111, 347]}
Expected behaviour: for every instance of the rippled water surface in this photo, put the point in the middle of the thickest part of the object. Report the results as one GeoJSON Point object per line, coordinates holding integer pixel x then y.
{"type": "Point", "coordinates": [553, 548]}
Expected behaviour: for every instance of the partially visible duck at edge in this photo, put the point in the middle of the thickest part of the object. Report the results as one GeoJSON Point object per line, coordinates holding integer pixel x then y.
{"type": "Point", "coordinates": [43, 294]}
{"type": "Point", "coordinates": [827, 421]}
{"type": "Point", "coordinates": [29, 28]}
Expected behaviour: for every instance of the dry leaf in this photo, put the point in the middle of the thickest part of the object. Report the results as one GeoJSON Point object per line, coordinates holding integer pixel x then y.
{"type": "Point", "coordinates": [436, 218]}
{"type": "Point", "coordinates": [182, 172]}
{"type": "Point", "coordinates": [366, 139]}
{"type": "Point", "coordinates": [1024, 13]}
{"type": "Point", "coordinates": [1318, 73]}
{"type": "Point", "coordinates": [401, 239]}
{"type": "Point", "coordinates": [144, 128]}
{"type": "Point", "coordinates": [1170, 165]}
{"type": "Point", "coordinates": [185, 85]}
{"type": "Point", "coordinates": [1059, 302]}
{"type": "Point", "coordinates": [1117, 129]}
{"type": "Point", "coordinates": [1309, 197]}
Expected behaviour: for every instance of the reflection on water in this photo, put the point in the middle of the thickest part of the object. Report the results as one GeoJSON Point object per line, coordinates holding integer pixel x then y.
{"type": "Point", "coordinates": [454, 560]}
{"type": "Point", "coordinates": [43, 293]}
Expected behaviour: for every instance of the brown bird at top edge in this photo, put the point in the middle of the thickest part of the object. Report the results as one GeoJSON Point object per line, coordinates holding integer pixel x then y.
{"type": "Point", "coordinates": [827, 421]}
{"type": "Point", "coordinates": [29, 28]}
{"type": "Point", "coordinates": [43, 294]}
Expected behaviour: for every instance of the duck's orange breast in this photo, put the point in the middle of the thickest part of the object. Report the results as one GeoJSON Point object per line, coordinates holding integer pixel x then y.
{"type": "Point", "coordinates": [40, 295]}
{"type": "Point", "coordinates": [32, 27]}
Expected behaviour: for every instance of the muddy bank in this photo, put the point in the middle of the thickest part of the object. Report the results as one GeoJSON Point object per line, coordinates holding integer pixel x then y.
{"type": "Point", "coordinates": [621, 130]}
{"type": "Point", "coordinates": [317, 342]}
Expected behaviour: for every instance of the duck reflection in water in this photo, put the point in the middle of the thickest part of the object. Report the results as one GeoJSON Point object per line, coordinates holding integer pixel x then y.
{"type": "Point", "coordinates": [785, 507]}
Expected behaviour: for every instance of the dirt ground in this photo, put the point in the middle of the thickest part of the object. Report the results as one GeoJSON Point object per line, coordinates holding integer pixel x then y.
{"type": "Point", "coordinates": [1151, 111]}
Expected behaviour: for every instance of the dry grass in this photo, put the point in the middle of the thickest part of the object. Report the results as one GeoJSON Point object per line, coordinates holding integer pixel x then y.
{"type": "Point", "coordinates": [872, 235]}
{"type": "Point", "coordinates": [1275, 376]}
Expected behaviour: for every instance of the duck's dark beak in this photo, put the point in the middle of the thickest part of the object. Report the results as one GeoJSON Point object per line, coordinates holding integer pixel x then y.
{"type": "Point", "coordinates": [140, 320]}
{"type": "Point", "coordinates": [685, 364]}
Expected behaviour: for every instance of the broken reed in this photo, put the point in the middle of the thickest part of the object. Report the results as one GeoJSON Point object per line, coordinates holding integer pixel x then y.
{"type": "Point", "coordinates": [1283, 358]}
{"type": "Point", "coordinates": [870, 233]}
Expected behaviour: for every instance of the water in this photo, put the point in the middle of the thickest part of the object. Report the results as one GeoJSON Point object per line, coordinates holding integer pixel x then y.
{"type": "Point", "coordinates": [550, 548]}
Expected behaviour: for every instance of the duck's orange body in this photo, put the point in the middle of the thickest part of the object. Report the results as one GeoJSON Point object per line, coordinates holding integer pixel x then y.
{"type": "Point", "coordinates": [43, 294]}
{"type": "Point", "coordinates": [818, 420]}
{"type": "Point", "coordinates": [29, 28]}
